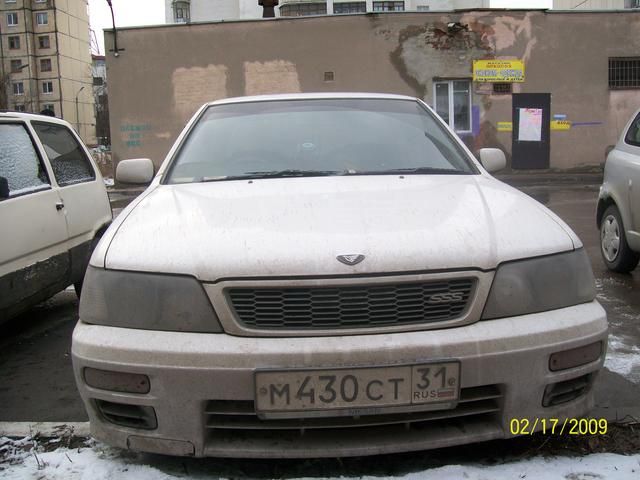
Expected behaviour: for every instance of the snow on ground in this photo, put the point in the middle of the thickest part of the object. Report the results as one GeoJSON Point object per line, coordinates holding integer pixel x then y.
{"type": "Point", "coordinates": [623, 358]}
{"type": "Point", "coordinates": [97, 461]}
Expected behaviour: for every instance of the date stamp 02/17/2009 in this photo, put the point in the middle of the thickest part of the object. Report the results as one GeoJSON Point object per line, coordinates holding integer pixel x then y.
{"type": "Point", "coordinates": [558, 426]}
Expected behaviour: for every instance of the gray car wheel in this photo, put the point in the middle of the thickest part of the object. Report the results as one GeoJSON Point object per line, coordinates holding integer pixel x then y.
{"type": "Point", "coordinates": [613, 245]}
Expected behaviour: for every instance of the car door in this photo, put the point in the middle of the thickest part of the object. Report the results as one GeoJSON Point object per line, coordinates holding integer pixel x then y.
{"type": "Point", "coordinates": [34, 262]}
{"type": "Point", "coordinates": [632, 167]}
{"type": "Point", "coordinates": [81, 188]}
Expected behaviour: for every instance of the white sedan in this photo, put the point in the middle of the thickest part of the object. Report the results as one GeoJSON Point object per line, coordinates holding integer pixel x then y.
{"type": "Point", "coordinates": [331, 275]}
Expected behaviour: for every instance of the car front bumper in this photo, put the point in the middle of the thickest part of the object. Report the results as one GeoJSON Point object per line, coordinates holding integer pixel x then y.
{"type": "Point", "coordinates": [202, 385]}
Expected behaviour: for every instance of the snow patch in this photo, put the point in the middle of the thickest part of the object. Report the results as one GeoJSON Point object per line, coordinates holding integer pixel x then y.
{"type": "Point", "coordinates": [623, 358]}
{"type": "Point", "coordinates": [100, 462]}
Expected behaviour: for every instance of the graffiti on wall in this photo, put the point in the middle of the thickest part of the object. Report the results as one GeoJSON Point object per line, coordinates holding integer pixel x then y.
{"type": "Point", "coordinates": [133, 134]}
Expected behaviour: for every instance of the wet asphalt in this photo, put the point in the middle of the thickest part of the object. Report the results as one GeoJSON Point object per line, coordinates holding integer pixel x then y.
{"type": "Point", "coordinates": [36, 378]}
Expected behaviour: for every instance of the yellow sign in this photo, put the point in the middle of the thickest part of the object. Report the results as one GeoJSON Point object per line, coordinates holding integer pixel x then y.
{"type": "Point", "coordinates": [498, 71]}
{"type": "Point", "coordinates": [505, 126]}
{"type": "Point", "coordinates": [561, 125]}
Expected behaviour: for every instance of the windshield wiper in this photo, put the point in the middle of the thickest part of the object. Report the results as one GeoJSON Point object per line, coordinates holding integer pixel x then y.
{"type": "Point", "coordinates": [413, 171]}
{"type": "Point", "coordinates": [275, 174]}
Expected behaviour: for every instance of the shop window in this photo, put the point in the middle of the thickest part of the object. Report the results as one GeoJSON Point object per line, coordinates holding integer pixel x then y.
{"type": "Point", "coordinates": [452, 101]}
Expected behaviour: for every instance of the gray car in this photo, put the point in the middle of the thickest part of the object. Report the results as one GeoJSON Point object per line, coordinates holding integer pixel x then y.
{"type": "Point", "coordinates": [618, 213]}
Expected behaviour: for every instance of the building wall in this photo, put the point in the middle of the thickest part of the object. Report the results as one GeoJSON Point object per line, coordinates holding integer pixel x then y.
{"type": "Point", "coordinates": [214, 10]}
{"type": "Point", "coordinates": [589, 4]}
{"type": "Point", "coordinates": [167, 72]}
{"type": "Point", "coordinates": [67, 30]}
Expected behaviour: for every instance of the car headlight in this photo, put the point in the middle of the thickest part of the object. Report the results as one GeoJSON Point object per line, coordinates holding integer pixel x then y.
{"type": "Point", "coordinates": [147, 301]}
{"type": "Point", "coordinates": [540, 284]}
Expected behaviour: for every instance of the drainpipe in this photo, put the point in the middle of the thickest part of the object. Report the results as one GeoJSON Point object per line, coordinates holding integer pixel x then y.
{"type": "Point", "coordinates": [78, 111]}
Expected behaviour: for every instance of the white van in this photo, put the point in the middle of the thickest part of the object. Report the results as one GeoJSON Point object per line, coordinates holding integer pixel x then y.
{"type": "Point", "coordinates": [53, 209]}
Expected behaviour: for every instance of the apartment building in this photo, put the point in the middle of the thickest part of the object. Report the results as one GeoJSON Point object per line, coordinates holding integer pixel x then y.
{"type": "Point", "coordinates": [185, 11]}
{"type": "Point", "coordinates": [45, 60]}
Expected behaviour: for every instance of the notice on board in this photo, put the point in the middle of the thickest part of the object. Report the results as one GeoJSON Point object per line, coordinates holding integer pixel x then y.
{"type": "Point", "coordinates": [530, 125]}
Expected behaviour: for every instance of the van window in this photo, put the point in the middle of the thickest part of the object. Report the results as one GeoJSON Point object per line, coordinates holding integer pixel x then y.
{"type": "Point", "coordinates": [68, 160]}
{"type": "Point", "coordinates": [19, 162]}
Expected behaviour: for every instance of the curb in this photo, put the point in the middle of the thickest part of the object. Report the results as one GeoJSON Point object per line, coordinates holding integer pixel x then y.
{"type": "Point", "coordinates": [43, 429]}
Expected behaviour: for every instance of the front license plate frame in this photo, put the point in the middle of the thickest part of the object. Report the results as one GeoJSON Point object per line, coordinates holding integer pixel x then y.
{"type": "Point", "coordinates": [356, 390]}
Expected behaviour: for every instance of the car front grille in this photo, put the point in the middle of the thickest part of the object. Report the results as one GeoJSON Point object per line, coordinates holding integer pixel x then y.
{"type": "Point", "coordinates": [353, 306]}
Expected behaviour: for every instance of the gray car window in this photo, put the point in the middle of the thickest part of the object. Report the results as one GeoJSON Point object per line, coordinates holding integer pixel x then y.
{"type": "Point", "coordinates": [633, 134]}
{"type": "Point", "coordinates": [68, 160]}
{"type": "Point", "coordinates": [19, 162]}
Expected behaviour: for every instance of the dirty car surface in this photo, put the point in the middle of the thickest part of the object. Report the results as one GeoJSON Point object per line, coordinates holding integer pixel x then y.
{"type": "Point", "coordinates": [618, 213]}
{"type": "Point", "coordinates": [331, 275]}
{"type": "Point", "coordinates": [53, 207]}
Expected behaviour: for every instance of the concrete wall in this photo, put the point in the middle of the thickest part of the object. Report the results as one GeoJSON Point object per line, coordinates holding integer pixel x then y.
{"type": "Point", "coordinates": [166, 73]}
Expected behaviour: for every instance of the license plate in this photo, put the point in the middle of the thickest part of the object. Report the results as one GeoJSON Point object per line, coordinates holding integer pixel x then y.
{"type": "Point", "coordinates": [357, 388]}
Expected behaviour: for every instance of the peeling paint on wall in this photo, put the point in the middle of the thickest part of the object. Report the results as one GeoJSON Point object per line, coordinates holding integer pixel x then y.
{"type": "Point", "coordinates": [277, 76]}
{"type": "Point", "coordinates": [193, 87]}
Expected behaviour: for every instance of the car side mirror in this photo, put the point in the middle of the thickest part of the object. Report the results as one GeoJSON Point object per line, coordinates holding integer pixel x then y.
{"type": "Point", "coordinates": [492, 159]}
{"type": "Point", "coordinates": [135, 170]}
{"type": "Point", "coordinates": [4, 188]}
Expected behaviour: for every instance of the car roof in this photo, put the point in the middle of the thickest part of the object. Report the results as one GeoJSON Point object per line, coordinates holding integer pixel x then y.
{"type": "Point", "coordinates": [312, 96]}
{"type": "Point", "coordinates": [5, 115]}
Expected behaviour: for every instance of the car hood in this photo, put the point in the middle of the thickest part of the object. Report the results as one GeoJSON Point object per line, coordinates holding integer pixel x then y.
{"type": "Point", "coordinates": [297, 227]}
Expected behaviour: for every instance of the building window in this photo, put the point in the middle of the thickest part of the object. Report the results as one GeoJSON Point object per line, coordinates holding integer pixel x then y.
{"type": "Point", "coordinates": [303, 9]}
{"type": "Point", "coordinates": [45, 64]}
{"type": "Point", "coordinates": [12, 19]}
{"type": "Point", "coordinates": [9, 1]}
{"type": "Point", "coordinates": [19, 108]}
{"type": "Point", "coordinates": [423, 8]}
{"type": "Point", "coordinates": [18, 88]}
{"type": "Point", "coordinates": [181, 11]}
{"type": "Point", "coordinates": [16, 66]}
{"type": "Point", "coordinates": [47, 87]}
{"type": "Point", "coordinates": [43, 41]}
{"type": "Point", "coordinates": [350, 7]}
{"type": "Point", "coordinates": [502, 88]}
{"type": "Point", "coordinates": [41, 1]}
{"type": "Point", "coordinates": [452, 101]}
{"type": "Point", "coordinates": [42, 18]}
{"type": "Point", "coordinates": [624, 72]}
{"type": "Point", "coordinates": [388, 6]}
{"type": "Point", "coordinates": [49, 106]}
{"type": "Point", "coordinates": [328, 76]}
{"type": "Point", "coordinates": [14, 43]}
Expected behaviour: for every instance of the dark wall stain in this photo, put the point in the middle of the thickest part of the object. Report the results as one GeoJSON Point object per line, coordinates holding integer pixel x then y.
{"type": "Point", "coordinates": [396, 60]}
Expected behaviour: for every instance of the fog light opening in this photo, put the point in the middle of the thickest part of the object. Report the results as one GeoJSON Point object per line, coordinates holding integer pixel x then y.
{"type": "Point", "coordinates": [116, 381]}
{"type": "Point", "coordinates": [563, 392]}
{"type": "Point", "coordinates": [575, 357]}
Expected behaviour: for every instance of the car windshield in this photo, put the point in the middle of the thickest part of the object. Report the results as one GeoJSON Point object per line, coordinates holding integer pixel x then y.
{"type": "Point", "coordinates": [316, 137]}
